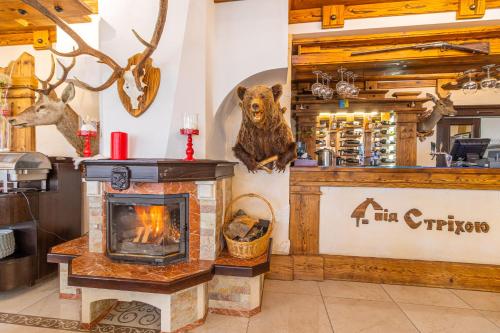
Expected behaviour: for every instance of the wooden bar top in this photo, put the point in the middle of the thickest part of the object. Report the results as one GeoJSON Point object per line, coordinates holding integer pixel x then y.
{"type": "Point", "coordinates": [397, 177]}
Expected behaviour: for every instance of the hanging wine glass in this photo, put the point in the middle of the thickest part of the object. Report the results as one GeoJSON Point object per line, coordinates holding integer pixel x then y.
{"type": "Point", "coordinates": [355, 90]}
{"type": "Point", "coordinates": [350, 87]}
{"type": "Point", "coordinates": [470, 87]}
{"type": "Point", "coordinates": [329, 90]}
{"type": "Point", "coordinates": [316, 87]}
{"type": "Point", "coordinates": [488, 82]}
{"type": "Point", "coordinates": [341, 85]}
{"type": "Point", "coordinates": [323, 89]}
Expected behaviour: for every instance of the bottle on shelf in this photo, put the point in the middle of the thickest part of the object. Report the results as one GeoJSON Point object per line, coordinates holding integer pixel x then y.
{"type": "Point", "coordinates": [351, 142]}
{"type": "Point", "coordinates": [352, 160]}
{"type": "Point", "coordinates": [387, 160]}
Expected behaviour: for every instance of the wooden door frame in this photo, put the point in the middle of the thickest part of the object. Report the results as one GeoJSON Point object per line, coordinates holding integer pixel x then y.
{"type": "Point", "coordinates": [443, 130]}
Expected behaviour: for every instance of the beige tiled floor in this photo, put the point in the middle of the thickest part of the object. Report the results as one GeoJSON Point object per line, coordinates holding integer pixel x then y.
{"type": "Point", "coordinates": [310, 307]}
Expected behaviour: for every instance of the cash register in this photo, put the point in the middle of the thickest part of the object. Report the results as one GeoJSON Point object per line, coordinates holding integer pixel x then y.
{"type": "Point", "coordinates": [470, 153]}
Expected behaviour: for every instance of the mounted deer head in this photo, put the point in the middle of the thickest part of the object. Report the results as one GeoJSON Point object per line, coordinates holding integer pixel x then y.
{"type": "Point", "coordinates": [50, 110]}
{"type": "Point", "coordinates": [138, 83]}
{"type": "Point", "coordinates": [443, 107]}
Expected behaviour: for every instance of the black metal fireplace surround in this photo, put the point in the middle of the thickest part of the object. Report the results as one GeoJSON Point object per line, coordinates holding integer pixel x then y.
{"type": "Point", "coordinates": [147, 228]}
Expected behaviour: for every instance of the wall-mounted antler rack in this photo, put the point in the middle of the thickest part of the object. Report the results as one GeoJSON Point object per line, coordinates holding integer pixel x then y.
{"type": "Point", "coordinates": [138, 82]}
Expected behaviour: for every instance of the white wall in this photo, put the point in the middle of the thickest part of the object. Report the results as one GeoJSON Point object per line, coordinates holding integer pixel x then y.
{"type": "Point", "coordinates": [246, 53]}
{"type": "Point", "coordinates": [490, 128]}
{"type": "Point", "coordinates": [48, 139]}
{"type": "Point", "coordinates": [149, 134]}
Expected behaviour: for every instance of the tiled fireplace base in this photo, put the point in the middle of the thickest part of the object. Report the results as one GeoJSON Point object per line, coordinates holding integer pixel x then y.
{"type": "Point", "coordinates": [235, 295]}
{"type": "Point", "coordinates": [182, 310]}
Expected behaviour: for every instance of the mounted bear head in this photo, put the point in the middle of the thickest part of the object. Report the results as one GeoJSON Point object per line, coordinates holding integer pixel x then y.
{"type": "Point", "coordinates": [260, 105]}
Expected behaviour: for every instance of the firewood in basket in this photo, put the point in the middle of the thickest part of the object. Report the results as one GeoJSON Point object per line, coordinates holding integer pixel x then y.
{"type": "Point", "coordinates": [240, 226]}
{"type": "Point", "coordinates": [257, 231]}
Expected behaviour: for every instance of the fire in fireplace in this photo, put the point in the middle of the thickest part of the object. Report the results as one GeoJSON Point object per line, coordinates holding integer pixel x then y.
{"type": "Point", "coordinates": [147, 228]}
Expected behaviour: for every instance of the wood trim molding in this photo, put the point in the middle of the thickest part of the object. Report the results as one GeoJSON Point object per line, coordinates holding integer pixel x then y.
{"type": "Point", "coordinates": [385, 270]}
{"type": "Point", "coordinates": [304, 219]}
{"type": "Point", "coordinates": [355, 9]}
{"type": "Point", "coordinates": [477, 110]}
{"type": "Point", "coordinates": [439, 178]}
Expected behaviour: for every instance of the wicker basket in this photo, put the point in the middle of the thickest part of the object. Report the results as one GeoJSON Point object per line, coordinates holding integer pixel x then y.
{"type": "Point", "coordinates": [7, 243]}
{"type": "Point", "coordinates": [255, 248]}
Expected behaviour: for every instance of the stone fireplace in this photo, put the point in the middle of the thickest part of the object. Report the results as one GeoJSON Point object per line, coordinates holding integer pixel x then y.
{"type": "Point", "coordinates": [155, 237]}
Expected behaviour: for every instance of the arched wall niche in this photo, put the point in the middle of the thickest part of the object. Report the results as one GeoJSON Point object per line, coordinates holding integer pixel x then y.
{"type": "Point", "coordinates": [220, 141]}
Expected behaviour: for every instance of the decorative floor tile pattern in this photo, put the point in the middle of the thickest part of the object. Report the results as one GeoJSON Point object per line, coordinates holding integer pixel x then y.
{"type": "Point", "coordinates": [288, 307]}
{"type": "Point", "coordinates": [134, 314]}
{"type": "Point", "coordinates": [66, 325]}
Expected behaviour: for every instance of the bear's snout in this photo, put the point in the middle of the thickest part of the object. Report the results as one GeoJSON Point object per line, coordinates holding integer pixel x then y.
{"type": "Point", "coordinates": [255, 106]}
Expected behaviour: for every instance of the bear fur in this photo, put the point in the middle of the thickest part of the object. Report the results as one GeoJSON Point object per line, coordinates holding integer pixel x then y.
{"type": "Point", "coordinates": [264, 131]}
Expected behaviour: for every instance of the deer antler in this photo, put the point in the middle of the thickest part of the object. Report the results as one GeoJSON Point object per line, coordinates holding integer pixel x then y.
{"type": "Point", "coordinates": [152, 45]}
{"type": "Point", "coordinates": [48, 87]}
{"type": "Point", "coordinates": [83, 48]}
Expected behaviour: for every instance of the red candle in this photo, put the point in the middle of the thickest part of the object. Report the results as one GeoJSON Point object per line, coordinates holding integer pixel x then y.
{"type": "Point", "coordinates": [119, 146]}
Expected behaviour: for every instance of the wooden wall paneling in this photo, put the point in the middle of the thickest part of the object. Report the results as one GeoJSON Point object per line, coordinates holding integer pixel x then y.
{"type": "Point", "coordinates": [333, 16]}
{"type": "Point", "coordinates": [412, 57]}
{"type": "Point", "coordinates": [368, 9]}
{"type": "Point", "coordinates": [21, 97]}
{"type": "Point", "coordinates": [281, 268]}
{"type": "Point", "coordinates": [400, 84]}
{"type": "Point", "coordinates": [390, 271]}
{"type": "Point", "coordinates": [439, 178]}
{"type": "Point", "coordinates": [406, 139]}
{"type": "Point", "coordinates": [413, 272]}
{"type": "Point", "coordinates": [478, 110]}
{"type": "Point", "coordinates": [24, 37]}
{"type": "Point", "coordinates": [308, 268]}
{"type": "Point", "coordinates": [395, 38]}
{"type": "Point", "coordinates": [304, 219]}
{"type": "Point", "coordinates": [470, 9]}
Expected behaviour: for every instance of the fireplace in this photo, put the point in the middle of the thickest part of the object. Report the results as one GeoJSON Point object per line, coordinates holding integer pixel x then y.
{"type": "Point", "coordinates": [147, 228]}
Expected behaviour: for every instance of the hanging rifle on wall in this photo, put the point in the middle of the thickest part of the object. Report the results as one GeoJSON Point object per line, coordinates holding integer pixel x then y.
{"type": "Point", "coordinates": [474, 48]}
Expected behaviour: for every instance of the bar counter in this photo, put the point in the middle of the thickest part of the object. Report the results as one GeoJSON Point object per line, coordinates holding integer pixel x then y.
{"type": "Point", "coordinates": [405, 225]}
{"type": "Point", "coordinates": [397, 177]}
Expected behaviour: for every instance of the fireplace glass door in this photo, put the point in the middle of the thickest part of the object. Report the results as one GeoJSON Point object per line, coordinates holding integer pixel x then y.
{"type": "Point", "coordinates": [147, 228]}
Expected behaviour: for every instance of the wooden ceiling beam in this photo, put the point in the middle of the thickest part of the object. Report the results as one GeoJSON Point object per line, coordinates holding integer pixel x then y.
{"type": "Point", "coordinates": [302, 11]}
{"type": "Point", "coordinates": [328, 55]}
{"type": "Point", "coordinates": [18, 21]}
{"type": "Point", "coordinates": [24, 37]}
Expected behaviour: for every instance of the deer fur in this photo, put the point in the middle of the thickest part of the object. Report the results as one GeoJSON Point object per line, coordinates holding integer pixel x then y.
{"type": "Point", "coordinates": [443, 107]}
{"type": "Point", "coordinates": [50, 110]}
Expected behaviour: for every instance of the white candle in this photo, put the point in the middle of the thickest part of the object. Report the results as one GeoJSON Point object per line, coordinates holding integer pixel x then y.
{"type": "Point", "coordinates": [190, 121]}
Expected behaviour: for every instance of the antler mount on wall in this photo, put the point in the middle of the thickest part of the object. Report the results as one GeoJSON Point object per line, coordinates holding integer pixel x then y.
{"type": "Point", "coordinates": [138, 82]}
